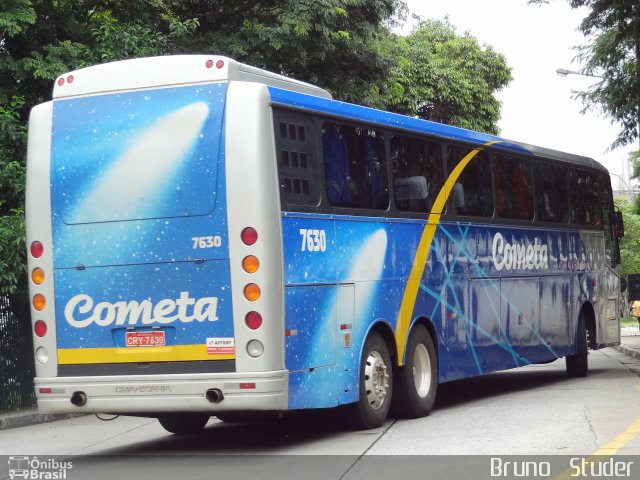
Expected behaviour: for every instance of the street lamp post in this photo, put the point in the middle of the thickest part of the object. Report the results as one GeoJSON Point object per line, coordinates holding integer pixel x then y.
{"type": "Point", "coordinates": [563, 72]}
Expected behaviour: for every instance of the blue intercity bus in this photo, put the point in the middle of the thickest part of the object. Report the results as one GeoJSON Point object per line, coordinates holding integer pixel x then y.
{"type": "Point", "coordinates": [211, 239]}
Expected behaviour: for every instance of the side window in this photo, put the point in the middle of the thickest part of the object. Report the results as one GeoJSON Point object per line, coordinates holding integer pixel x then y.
{"type": "Point", "coordinates": [552, 204]}
{"type": "Point", "coordinates": [584, 197]}
{"type": "Point", "coordinates": [514, 197]}
{"type": "Point", "coordinates": [417, 173]}
{"type": "Point", "coordinates": [606, 213]}
{"type": "Point", "coordinates": [355, 166]}
{"type": "Point", "coordinates": [472, 193]}
{"type": "Point", "coordinates": [298, 167]}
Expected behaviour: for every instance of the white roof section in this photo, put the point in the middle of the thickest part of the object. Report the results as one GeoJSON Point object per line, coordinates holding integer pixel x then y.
{"type": "Point", "coordinates": [159, 72]}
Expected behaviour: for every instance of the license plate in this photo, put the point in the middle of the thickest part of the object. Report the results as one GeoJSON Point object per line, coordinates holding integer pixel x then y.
{"type": "Point", "coordinates": [145, 339]}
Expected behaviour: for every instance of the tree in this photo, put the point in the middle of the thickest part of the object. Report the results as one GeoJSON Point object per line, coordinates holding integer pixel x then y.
{"type": "Point", "coordinates": [630, 243]}
{"type": "Point", "coordinates": [613, 52]}
{"type": "Point", "coordinates": [448, 78]}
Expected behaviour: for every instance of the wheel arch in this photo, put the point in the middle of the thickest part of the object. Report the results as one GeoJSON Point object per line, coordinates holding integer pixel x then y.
{"type": "Point", "coordinates": [587, 312]}
{"type": "Point", "coordinates": [426, 323]}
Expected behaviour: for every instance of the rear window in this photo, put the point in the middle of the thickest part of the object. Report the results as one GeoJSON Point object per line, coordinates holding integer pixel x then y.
{"type": "Point", "coordinates": [137, 155]}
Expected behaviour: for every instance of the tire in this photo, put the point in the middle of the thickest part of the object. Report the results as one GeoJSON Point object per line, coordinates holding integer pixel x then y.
{"type": "Point", "coordinates": [376, 385]}
{"type": "Point", "coordinates": [184, 423]}
{"type": "Point", "coordinates": [417, 380]}
{"type": "Point", "coordinates": [578, 363]}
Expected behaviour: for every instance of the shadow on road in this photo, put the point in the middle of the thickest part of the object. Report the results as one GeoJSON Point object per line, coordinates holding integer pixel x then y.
{"type": "Point", "coordinates": [298, 428]}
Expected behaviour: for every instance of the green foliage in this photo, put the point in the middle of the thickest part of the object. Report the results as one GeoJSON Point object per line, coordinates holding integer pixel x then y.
{"type": "Point", "coordinates": [612, 28]}
{"type": "Point", "coordinates": [630, 243]}
{"type": "Point", "coordinates": [449, 78]}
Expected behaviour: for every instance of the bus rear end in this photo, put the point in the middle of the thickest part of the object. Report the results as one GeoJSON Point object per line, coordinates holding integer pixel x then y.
{"type": "Point", "coordinates": [147, 226]}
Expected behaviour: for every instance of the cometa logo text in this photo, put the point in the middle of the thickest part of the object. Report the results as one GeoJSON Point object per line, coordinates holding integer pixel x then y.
{"type": "Point", "coordinates": [81, 311]}
{"type": "Point", "coordinates": [519, 255]}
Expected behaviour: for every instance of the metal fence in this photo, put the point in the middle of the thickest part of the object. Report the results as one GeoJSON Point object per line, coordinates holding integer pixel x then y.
{"type": "Point", "coordinates": [16, 356]}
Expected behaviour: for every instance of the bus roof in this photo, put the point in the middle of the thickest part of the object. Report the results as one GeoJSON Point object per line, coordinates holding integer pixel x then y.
{"type": "Point", "coordinates": [152, 72]}
{"type": "Point", "coordinates": [394, 120]}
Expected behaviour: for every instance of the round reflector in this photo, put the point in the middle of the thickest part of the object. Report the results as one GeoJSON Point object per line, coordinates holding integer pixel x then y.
{"type": "Point", "coordinates": [252, 292]}
{"type": "Point", "coordinates": [37, 249]}
{"type": "Point", "coordinates": [249, 236]}
{"type": "Point", "coordinates": [37, 276]}
{"type": "Point", "coordinates": [250, 264]}
{"type": "Point", "coordinates": [60, 81]}
{"type": "Point", "coordinates": [39, 302]}
{"type": "Point", "coordinates": [42, 355]}
{"type": "Point", "coordinates": [253, 320]}
{"type": "Point", "coordinates": [40, 328]}
{"type": "Point", "coordinates": [70, 79]}
{"type": "Point", "coordinates": [220, 64]}
{"type": "Point", "coordinates": [255, 348]}
{"type": "Point", "coordinates": [209, 63]}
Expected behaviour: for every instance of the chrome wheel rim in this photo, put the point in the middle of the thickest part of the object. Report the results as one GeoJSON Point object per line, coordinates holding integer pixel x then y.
{"type": "Point", "coordinates": [376, 380]}
{"type": "Point", "coordinates": [421, 370]}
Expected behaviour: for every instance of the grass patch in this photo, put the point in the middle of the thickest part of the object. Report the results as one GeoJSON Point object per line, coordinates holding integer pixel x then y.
{"type": "Point", "coordinates": [628, 321]}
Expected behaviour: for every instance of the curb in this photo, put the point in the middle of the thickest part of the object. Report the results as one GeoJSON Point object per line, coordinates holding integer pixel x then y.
{"type": "Point", "coordinates": [30, 417]}
{"type": "Point", "coordinates": [631, 352]}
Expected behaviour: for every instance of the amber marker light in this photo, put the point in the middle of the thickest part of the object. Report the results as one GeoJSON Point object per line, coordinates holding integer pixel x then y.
{"type": "Point", "coordinates": [252, 292]}
{"type": "Point", "coordinates": [250, 264]}
{"type": "Point", "coordinates": [39, 302]}
{"type": "Point", "coordinates": [37, 275]}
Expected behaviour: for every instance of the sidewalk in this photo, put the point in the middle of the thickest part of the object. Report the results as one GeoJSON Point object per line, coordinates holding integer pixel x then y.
{"type": "Point", "coordinates": [26, 417]}
{"type": "Point", "coordinates": [630, 345]}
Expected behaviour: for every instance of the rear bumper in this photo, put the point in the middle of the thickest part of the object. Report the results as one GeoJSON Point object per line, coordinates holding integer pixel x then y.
{"type": "Point", "coordinates": [151, 394]}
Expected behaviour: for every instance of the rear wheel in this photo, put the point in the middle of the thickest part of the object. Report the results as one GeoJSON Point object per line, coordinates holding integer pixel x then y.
{"type": "Point", "coordinates": [417, 381]}
{"type": "Point", "coordinates": [184, 423]}
{"type": "Point", "coordinates": [578, 363]}
{"type": "Point", "coordinates": [376, 384]}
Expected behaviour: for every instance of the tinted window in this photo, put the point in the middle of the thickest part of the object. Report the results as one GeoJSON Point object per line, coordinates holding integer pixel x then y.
{"type": "Point", "coordinates": [583, 191]}
{"type": "Point", "coordinates": [514, 196]}
{"type": "Point", "coordinates": [471, 194]}
{"type": "Point", "coordinates": [355, 166]}
{"type": "Point", "coordinates": [417, 173]}
{"type": "Point", "coordinates": [552, 204]}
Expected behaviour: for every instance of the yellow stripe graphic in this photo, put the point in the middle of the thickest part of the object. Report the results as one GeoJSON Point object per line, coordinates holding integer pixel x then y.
{"type": "Point", "coordinates": [422, 253]}
{"type": "Point", "coordinates": [176, 353]}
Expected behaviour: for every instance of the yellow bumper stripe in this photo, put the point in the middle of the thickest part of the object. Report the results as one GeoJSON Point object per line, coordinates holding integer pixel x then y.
{"type": "Point", "coordinates": [176, 353]}
{"type": "Point", "coordinates": [422, 253]}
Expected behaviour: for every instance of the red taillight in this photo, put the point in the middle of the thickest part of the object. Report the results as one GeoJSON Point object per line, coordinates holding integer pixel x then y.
{"type": "Point", "coordinates": [253, 320]}
{"type": "Point", "coordinates": [209, 63]}
{"type": "Point", "coordinates": [37, 249]}
{"type": "Point", "coordinates": [45, 390]}
{"type": "Point", "coordinates": [249, 236]}
{"type": "Point", "coordinates": [70, 79]}
{"type": "Point", "coordinates": [60, 81]}
{"type": "Point", "coordinates": [40, 328]}
{"type": "Point", "coordinates": [219, 64]}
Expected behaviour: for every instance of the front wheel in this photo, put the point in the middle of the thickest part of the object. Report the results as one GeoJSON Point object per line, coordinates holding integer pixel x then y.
{"type": "Point", "coordinates": [376, 384]}
{"type": "Point", "coordinates": [184, 423]}
{"type": "Point", "coordinates": [417, 381]}
{"type": "Point", "coordinates": [578, 363]}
